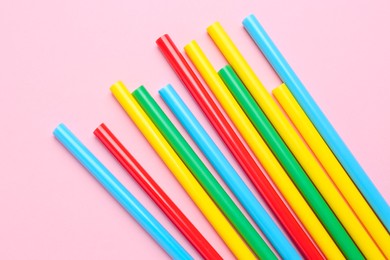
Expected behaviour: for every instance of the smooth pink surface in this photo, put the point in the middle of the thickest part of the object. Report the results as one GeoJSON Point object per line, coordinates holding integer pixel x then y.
{"type": "Point", "coordinates": [59, 58]}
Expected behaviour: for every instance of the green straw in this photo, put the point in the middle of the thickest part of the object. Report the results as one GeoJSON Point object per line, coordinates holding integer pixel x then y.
{"type": "Point", "coordinates": [289, 163]}
{"type": "Point", "coordinates": [202, 174]}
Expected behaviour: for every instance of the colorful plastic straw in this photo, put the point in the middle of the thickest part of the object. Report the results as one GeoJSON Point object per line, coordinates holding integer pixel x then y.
{"type": "Point", "coordinates": [181, 172]}
{"type": "Point", "coordinates": [215, 190]}
{"type": "Point", "coordinates": [323, 126]}
{"type": "Point", "coordinates": [279, 148]}
{"type": "Point", "coordinates": [120, 193]}
{"type": "Point", "coordinates": [339, 176]}
{"type": "Point", "coordinates": [257, 144]}
{"type": "Point", "coordinates": [204, 100]}
{"type": "Point", "coordinates": [301, 152]}
{"type": "Point", "coordinates": [219, 161]}
{"type": "Point", "coordinates": [155, 192]}
{"type": "Point", "coordinates": [263, 186]}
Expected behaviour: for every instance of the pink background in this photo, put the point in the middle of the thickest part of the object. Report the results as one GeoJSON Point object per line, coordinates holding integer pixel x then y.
{"type": "Point", "coordinates": [59, 58]}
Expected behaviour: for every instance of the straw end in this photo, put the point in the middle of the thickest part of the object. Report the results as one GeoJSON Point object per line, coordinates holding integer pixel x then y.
{"type": "Point", "coordinates": [215, 26]}
{"type": "Point", "coordinates": [191, 44]}
{"type": "Point", "coordinates": [249, 18]}
{"type": "Point", "coordinates": [166, 89]}
{"type": "Point", "coordinates": [117, 85]}
{"type": "Point", "coordinates": [162, 39]}
{"type": "Point", "coordinates": [279, 89]}
{"type": "Point", "coordinates": [100, 128]}
{"type": "Point", "coordinates": [60, 128]}
{"type": "Point", "coordinates": [139, 89]}
{"type": "Point", "coordinates": [225, 69]}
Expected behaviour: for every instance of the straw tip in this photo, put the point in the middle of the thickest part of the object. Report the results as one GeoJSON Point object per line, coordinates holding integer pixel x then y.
{"type": "Point", "coordinates": [250, 21]}
{"type": "Point", "coordinates": [61, 127]}
{"type": "Point", "coordinates": [191, 44]}
{"type": "Point", "coordinates": [101, 127]}
{"type": "Point", "coordinates": [117, 85]}
{"type": "Point", "coordinates": [165, 89]}
{"type": "Point", "coordinates": [139, 89]}
{"type": "Point", "coordinates": [214, 26]}
{"type": "Point", "coordinates": [279, 89]}
{"type": "Point", "coordinates": [250, 17]}
{"type": "Point", "coordinates": [224, 70]}
{"type": "Point", "coordinates": [162, 38]}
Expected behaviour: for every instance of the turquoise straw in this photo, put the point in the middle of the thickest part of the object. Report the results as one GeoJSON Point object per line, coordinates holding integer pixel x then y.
{"type": "Point", "coordinates": [317, 117]}
{"type": "Point", "coordinates": [228, 174]}
{"type": "Point", "coordinates": [120, 193]}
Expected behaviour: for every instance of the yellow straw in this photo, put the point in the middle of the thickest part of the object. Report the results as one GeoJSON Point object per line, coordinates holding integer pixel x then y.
{"type": "Point", "coordinates": [334, 168]}
{"type": "Point", "coordinates": [182, 174]}
{"type": "Point", "coordinates": [295, 144]}
{"type": "Point", "coordinates": [263, 153]}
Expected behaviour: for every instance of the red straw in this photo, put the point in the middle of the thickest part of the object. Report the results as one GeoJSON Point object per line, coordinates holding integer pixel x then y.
{"type": "Point", "coordinates": [237, 148]}
{"type": "Point", "coordinates": [155, 192]}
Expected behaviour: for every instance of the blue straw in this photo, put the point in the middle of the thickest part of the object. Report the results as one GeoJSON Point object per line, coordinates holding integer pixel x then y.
{"type": "Point", "coordinates": [324, 127]}
{"type": "Point", "coordinates": [228, 173]}
{"type": "Point", "coordinates": [120, 193]}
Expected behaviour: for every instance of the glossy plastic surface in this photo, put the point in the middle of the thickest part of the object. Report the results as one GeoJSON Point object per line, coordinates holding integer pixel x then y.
{"type": "Point", "coordinates": [192, 83]}
{"type": "Point", "coordinates": [120, 193]}
{"type": "Point", "coordinates": [205, 177]}
{"type": "Point", "coordinates": [286, 159]}
{"type": "Point", "coordinates": [337, 206]}
{"type": "Point", "coordinates": [181, 172]}
{"type": "Point", "coordinates": [249, 133]}
{"type": "Point", "coordinates": [155, 192]}
{"type": "Point", "coordinates": [318, 118]}
{"type": "Point", "coordinates": [346, 186]}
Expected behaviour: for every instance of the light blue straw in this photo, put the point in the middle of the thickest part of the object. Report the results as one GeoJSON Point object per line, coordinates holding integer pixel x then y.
{"type": "Point", "coordinates": [228, 173]}
{"type": "Point", "coordinates": [120, 193]}
{"type": "Point", "coordinates": [317, 117]}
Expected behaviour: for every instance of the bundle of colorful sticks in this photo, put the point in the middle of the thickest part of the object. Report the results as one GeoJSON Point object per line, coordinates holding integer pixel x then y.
{"type": "Point", "coordinates": [322, 205]}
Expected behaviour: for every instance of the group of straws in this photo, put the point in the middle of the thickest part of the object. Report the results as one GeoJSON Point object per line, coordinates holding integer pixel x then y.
{"type": "Point", "coordinates": [334, 211]}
